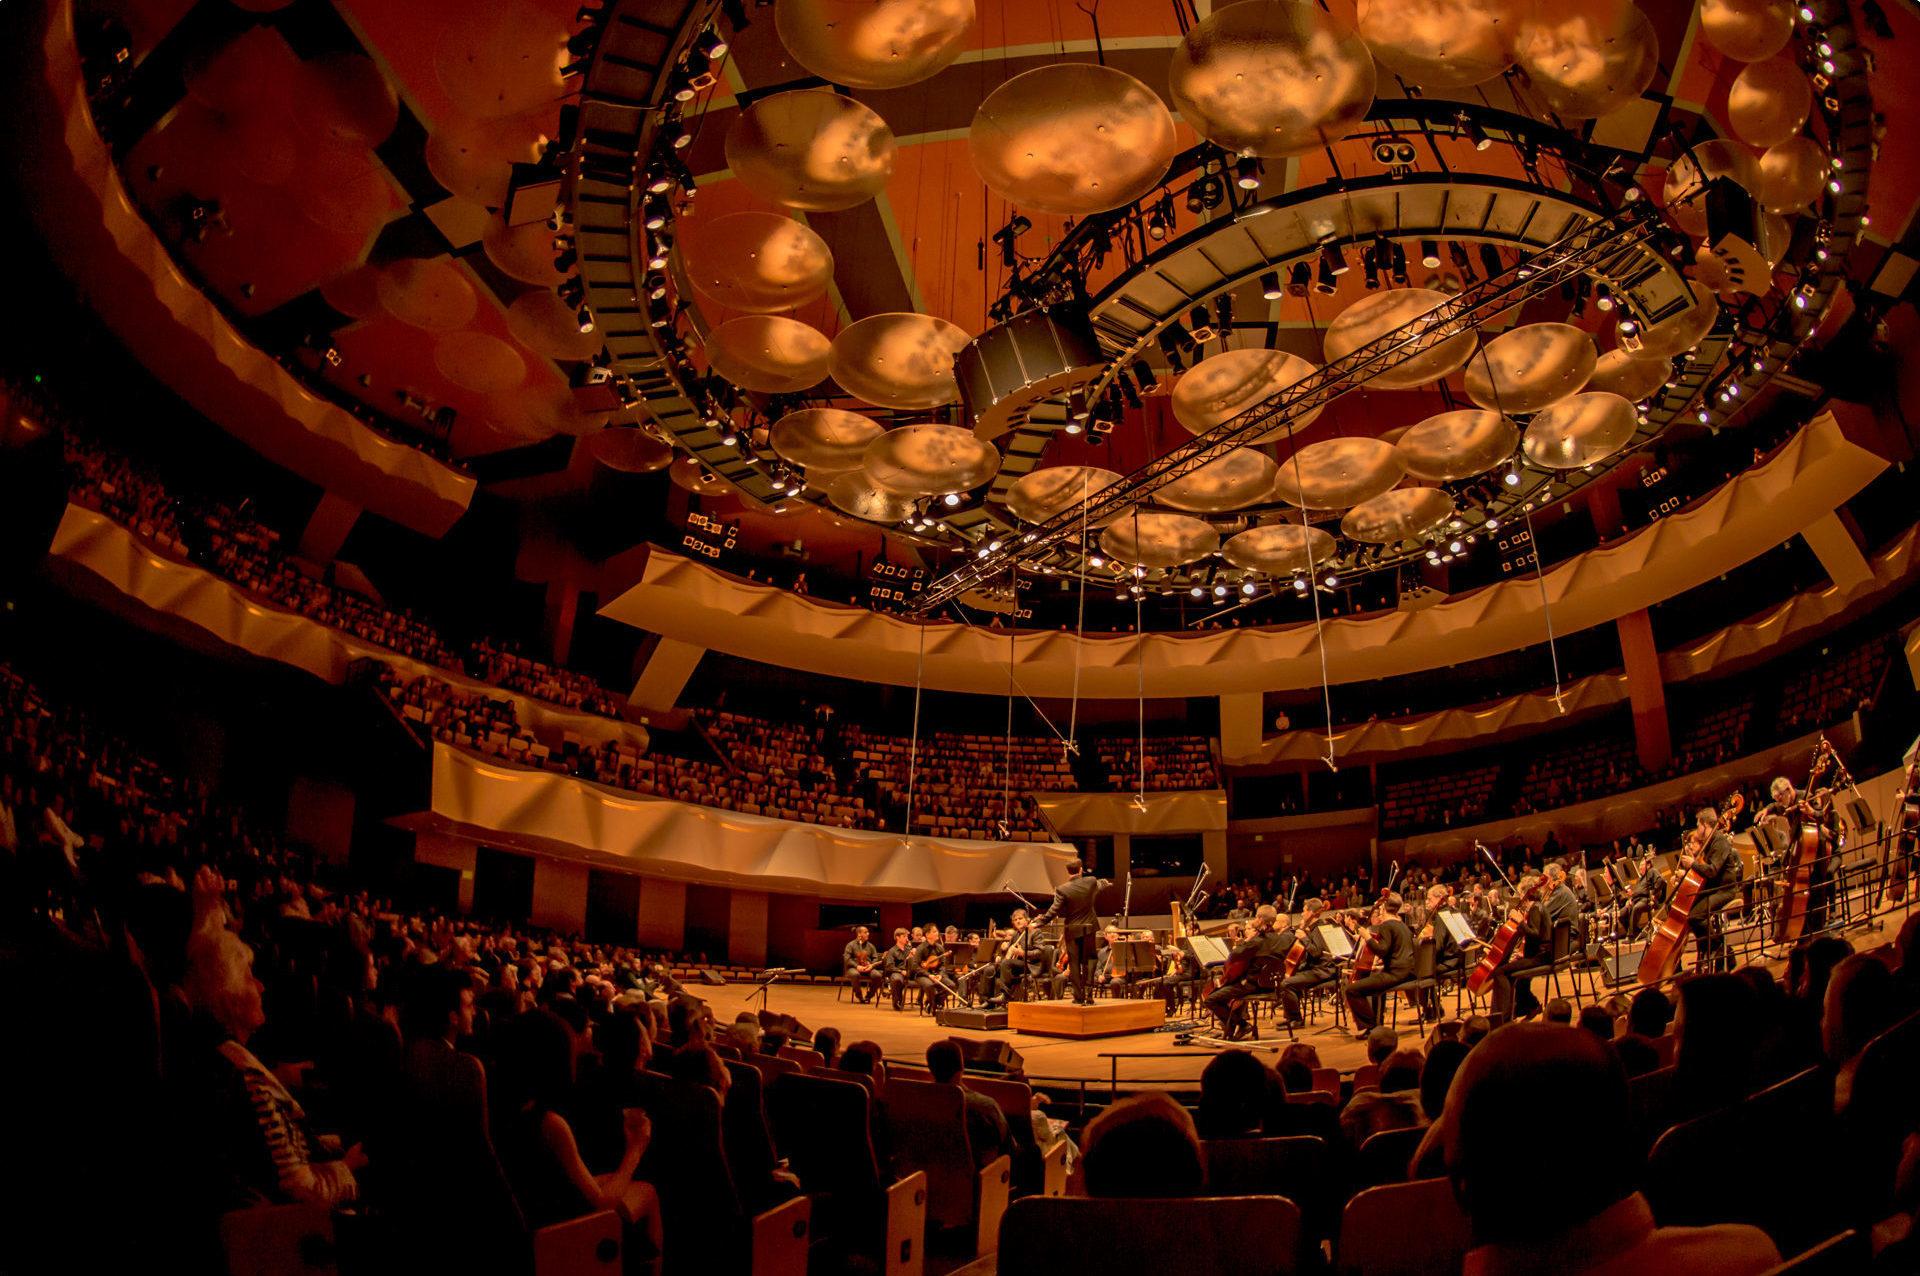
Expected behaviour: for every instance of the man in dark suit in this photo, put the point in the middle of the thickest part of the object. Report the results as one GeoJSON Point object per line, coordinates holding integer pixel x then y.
{"type": "Point", "coordinates": [988, 1135]}
{"type": "Point", "coordinates": [1075, 903]}
{"type": "Point", "coordinates": [896, 965]}
{"type": "Point", "coordinates": [1316, 965]}
{"type": "Point", "coordinates": [860, 963]}
{"type": "Point", "coordinates": [1020, 953]}
{"type": "Point", "coordinates": [929, 972]}
{"type": "Point", "coordinates": [1257, 960]}
{"type": "Point", "coordinates": [1719, 867]}
{"type": "Point", "coordinates": [1392, 946]}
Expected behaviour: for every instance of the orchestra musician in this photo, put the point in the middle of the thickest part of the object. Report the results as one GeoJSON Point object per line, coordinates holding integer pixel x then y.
{"type": "Point", "coordinates": [1548, 902]}
{"type": "Point", "coordinates": [1256, 960]}
{"type": "Point", "coordinates": [1316, 965]}
{"type": "Point", "coordinates": [1106, 971]}
{"type": "Point", "coordinates": [1449, 959]}
{"type": "Point", "coordinates": [1719, 866]}
{"type": "Point", "coordinates": [1019, 954]}
{"type": "Point", "coordinates": [1075, 903]}
{"type": "Point", "coordinates": [896, 967]}
{"type": "Point", "coordinates": [1799, 813]}
{"type": "Point", "coordinates": [930, 968]}
{"type": "Point", "coordinates": [1181, 972]}
{"type": "Point", "coordinates": [859, 962]}
{"type": "Point", "coordinates": [1392, 946]}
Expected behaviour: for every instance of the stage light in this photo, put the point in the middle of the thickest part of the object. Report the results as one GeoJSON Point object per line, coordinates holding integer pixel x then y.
{"type": "Point", "coordinates": [1246, 173]}
{"type": "Point", "coordinates": [1325, 279]}
{"type": "Point", "coordinates": [1096, 561]}
{"type": "Point", "coordinates": [1455, 547]}
{"type": "Point", "coordinates": [1332, 580]}
{"type": "Point", "coordinates": [1299, 279]}
{"type": "Point", "coordinates": [1197, 592]}
{"type": "Point", "coordinates": [952, 499]}
{"type": "Point", "coordinates": [1300, 584]}
{"type": "Point", "coordinates": [1333, 259]}
{"type": "Point", "coordinates": [1248, 588]}
{"type": "Point", "coordinates": [1400, 265]}
{"type": "Point", "coordinates": [1270, 285]}
{"type": "Point", "coordinates": [1512, 477]}
{"type": "Point", "coordinates": [1369, 273]}
{"type": "Point", "coordinates": [1475, 134]}
{"type": "Point", "coordinates": [584, 317]}
{"type": "Point", "coordinates": [1429, 254]}
{"type": "Point", "coordinates": [1219, 591]}
{"type": "Point", "coordinates": [1603, 297]}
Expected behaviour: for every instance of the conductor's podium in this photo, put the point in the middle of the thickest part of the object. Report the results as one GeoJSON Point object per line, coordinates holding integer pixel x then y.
{"type": "Point", "coordinates": [1101, 1019]}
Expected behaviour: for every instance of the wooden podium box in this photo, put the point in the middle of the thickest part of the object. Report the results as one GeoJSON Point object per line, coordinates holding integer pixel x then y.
{"type": "Point", "coordinates": [1101, 1019]}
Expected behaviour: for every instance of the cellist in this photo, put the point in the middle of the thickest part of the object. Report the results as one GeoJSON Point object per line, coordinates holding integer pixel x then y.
{"type": "Point", "coordinates": [1536, 940]}
{"type": "Point", "coordinates": [1314, 965]}
{"type": "Point", "coordinates": [1392, 946]}
{"type": "Point", "coordinates": [1711, 851]}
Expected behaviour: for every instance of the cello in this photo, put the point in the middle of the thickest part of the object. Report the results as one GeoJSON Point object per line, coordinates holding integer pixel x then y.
{"type": "Point", "coordinates": [1661, 958]}
{"type": "Point", "coordinates": [1803, 854]}
{"type": "Point", "coordinates": [1501, 946]}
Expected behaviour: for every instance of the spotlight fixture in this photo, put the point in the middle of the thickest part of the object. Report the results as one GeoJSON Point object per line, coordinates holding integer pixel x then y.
{"type": "Point", "coordinates": [1156, 224]}
{"type": "Point", "coordinates": [1400, 265]}
{"type": "Point", "coordinates": [1197, 592]}
{"type": "Point", "coordinates": [1429, 254]}
{"type": "Point", "coordinates": [711, 43]}
{"type": "Point", "coordinates": [1326, 279]}
{"type": "Point", "coordinates": [1370, 271]}
{"type": "Point", "coordinates": [1219, 591]}
{"type": "Point", "coordinates": [1203, 326]}
{"type": "Point", "coordinates": [1462, 260]}
{"type": "Point", "coordinates": [584, 317]}
{"type": "Point", "coordinates": [951, 499]}
{"type": "Point", "coordinates": [1299, 279]}
{"type": "Point", "coordinates": [1246, 173]}
{"type": "Point", "coordinates": [1512, 476]}
{"type": "Point", "coordinates": [1248, 588]}
{"type": "Point", "coordinates": [1603, 297]}
{"type": "Point", "coordinates": [1332, 260]}
{"type": "Point", "coordinates": [1270, 285]}
{"type": "Point", "coordinates": [1474, 133]}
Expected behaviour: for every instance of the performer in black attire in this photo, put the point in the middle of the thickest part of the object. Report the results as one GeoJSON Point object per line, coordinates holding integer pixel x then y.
{"type": "Point", "coordinates": [1513, 997]}
{"type": "Point", "coordinates": [1020, 954]}
{"type": "Point", "coordinates": [1316, 964]}
{"type": "Point", "coordinates": [1075, 904]}
{"type": "Point", "coordinates": [929, 969]}
{"type": "Point", "coordinates": [859, 962]}
{"type": "Point", "coordinates": [1800, 811]}
{"type": "Point", "coordinates": [1183, 972]}
{"type": "Point", "coordinates": [1719, 867]}
{"type": "Point", "coordinates": [896, 967]}
{"type": "Point", "coordinates": [1261, 955]}
{"type": "Point", "coordinates": [1448, 957]}
{"type": "Point", "coordinates": [1392, 945]}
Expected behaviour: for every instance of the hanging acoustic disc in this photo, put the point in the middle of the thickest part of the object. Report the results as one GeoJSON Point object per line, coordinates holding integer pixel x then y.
{"type": "Point", "coordinates": [1220, 388]}
{"type": "Point", "coordinates": [1768, 102]}
{"type": "Point", "coordinates": [1158, 540]}
{"type": "Point", "coordinates": [1529, 367]}
{"type": "Point", "coordinates": [811, 149]}
{"type": "Point", "coordinates": [1457, 445]}
{"type": "Point", "coordinates": [1792, 175]}
{"type": "Point", "coordinates": [629, 449]}
{"type": "Point", "coordinates": [1747, 30]}
{"type": "Point", "coordinates": [1580, 431]}
{"type": "Point", "coordinates": [1234, 481]}
{"type": "Point", "coordinates": [1377, 314]}
{"type": "Point", "coordinates": [758, 263]}
{"type": "Point", "coordinates": [1072, 138]}
{"type": "Point", "coordinates": [1442, 44]}
{"type": "Point", "coordinates": [1272, 78]}
{"type": "Point", "coordinates": [824, 440]}
{"type": "Point", "coordinates": [1587, 57]}
{"type": "Point", "coordinates": [769, 354]}
{"type": "Point", "coordinates": [873, 44]}
{"type": "Point", "coordinates": [1632, 377]}
{"type": "Point", "coordinates": [1038, 496]}
{"type": "Point", "coordinates": [1679, 332]}
{"type": "Point", "coordinates": [1279, 548]}
{"type": "Point", "coordinates": [900, 361]}
{"type": "Point", "coordinates": [930, 460]}
{"type": "Point", "coordinates": [1399, 515]}
{"type": "Point", "coordinates": [1337, 473]}
{"type": "Point", "coordinates": [856, 494]}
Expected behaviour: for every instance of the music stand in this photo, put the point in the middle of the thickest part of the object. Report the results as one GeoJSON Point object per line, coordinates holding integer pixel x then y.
{"type": "Point", "coordinates": [1339, 946]}
{"type": "Point", "coordinates": [1457, 927]}
{"type": "Point", "coordinates": [1208, 950]}
{"type": "Point", "coordinates": [1137, 957]}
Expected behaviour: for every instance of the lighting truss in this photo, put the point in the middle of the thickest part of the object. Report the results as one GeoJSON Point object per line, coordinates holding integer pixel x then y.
{"type": "Point", "coordinates": [1585, 249]}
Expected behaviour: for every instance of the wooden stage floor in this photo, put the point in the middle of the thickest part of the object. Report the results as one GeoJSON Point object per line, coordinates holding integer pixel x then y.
{"type": "Point", "coordinates": [906, 1035]}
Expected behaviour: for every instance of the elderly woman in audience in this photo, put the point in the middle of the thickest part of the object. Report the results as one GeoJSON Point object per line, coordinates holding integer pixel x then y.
{"type": "Point", "coordinates": [259, 1134]}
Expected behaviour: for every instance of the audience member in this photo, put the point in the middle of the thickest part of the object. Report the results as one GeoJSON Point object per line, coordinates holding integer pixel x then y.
{"type": "Point", "coordinates": [987, 1132]}
{"type": "Point", "coordinates": [1236, 1091]}
{"type": "Point", "coordinates": [1145, 1146]}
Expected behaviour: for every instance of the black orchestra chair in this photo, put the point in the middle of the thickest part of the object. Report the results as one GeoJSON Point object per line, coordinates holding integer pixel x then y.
{"type": "Point", "coordinates": [1421, 981]}
{"type": "Point", "coordinates": [1402, 1229]}
{"type": "Point", "coordinates": [1047, 1235]}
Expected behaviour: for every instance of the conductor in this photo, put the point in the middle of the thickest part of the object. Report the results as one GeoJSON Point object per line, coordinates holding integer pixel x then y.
{"type": "Point", "coordinates": [1074, 904]}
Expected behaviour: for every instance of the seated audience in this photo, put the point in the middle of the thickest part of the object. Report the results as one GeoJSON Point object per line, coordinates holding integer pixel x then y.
{"type": "Point", "coordinates": [987, 1132]}
{"type": "Point", "coordinates": [1145, 1146]}
{"type": "Point", "coordinates": [1586, 1217]}
{"type": "Point", "coordinates": [1236, 1091]}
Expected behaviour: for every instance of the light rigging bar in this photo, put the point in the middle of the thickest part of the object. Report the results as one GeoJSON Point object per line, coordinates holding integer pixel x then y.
{"type": "Point", "coordinates": [1581, 250]}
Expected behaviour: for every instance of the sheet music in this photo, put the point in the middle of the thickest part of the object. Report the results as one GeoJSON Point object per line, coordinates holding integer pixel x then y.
{"type": "Point", "coordinates": [1336, 940]}
{"type": "Point", "coordinates": [1457, 927]}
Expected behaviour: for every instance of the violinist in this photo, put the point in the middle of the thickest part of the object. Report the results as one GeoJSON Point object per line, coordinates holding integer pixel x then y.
{"type": "Point", "coordinates": [1391, 944]}
{"type": "Point", "coordinates": [1711, 851]}
{"type": "Point", "coordinates": [929, 968]}
{"type": "Point", "coordinates": [1315, 965]}
{"type": "Point", "coordinates": [1449, 959]}
{"type": "Point", "coordinates": [1250, 968]}
{"type": "Point", "coordinates": [858, 964]}
{"type": "Point", "coordinates": [896, 967]}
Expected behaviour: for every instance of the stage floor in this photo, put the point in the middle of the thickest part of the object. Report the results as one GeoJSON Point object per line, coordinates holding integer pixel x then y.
{"type": "Point", "coordinates": [908, 1033]}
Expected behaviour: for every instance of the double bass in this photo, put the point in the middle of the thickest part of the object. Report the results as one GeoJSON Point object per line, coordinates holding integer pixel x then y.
{"type": "Point", "coordinates": [1907, 836]}
{"type": "Point", "coordinates": [1662, 955]}
{"type": "Point", "coordinates": [1803, 854]}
